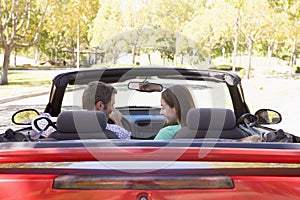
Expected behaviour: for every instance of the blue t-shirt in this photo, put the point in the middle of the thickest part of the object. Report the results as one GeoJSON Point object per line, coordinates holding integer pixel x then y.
{"type": "Point", "coordinates": [167, 133]}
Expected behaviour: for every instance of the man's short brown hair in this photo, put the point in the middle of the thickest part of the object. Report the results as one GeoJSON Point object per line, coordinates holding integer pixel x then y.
{"type": "Point", "coordinates": [97, 91]}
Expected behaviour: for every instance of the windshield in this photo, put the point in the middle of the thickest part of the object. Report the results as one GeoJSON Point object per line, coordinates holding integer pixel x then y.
{"type": "Point", "coordinates": [205, 94]}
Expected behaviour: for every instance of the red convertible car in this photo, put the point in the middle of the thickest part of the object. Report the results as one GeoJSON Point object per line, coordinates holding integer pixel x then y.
{"type": "Point", "coordinates": [224, 152]}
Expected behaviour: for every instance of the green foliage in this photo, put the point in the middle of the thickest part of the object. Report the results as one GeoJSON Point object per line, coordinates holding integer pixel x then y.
{"type": "Point", "coordinates": [262, 48]}
{"type": "Point", "coordinates": [60, 31]}
{"type": "Point", "coordinates": [226, 68]}
{"type": "Point", "coordinates": [243, 73]}
{"type": "Point", "coordinates": [39, 67]}
{"type": "Point", "coordinates": [228, 46]}
{"type": "Point", "coordinates": [112, 66]}
{"type": "Point", "coordinates": [210, 24]}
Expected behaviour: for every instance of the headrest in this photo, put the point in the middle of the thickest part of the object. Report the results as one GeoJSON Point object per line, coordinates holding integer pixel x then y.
{"type": "Point", "coordinates": [81, 122]}
{"type": "Point", "coordinates": [200, 118]}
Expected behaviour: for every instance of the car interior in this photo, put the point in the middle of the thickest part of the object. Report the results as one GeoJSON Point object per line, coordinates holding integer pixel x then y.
{"type": "Point", "coordinates": [140, 106]}
{"type": "Point", "coordinates": [201, 123]}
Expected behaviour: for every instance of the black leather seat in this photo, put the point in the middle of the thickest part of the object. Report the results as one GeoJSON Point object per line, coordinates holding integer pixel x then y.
{"type": "Point", "coordinates": [210, 123]}
{"type": "Point", "coordinates": [75, 125]}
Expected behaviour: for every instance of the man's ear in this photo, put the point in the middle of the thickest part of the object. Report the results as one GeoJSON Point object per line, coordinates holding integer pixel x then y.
{"type": "Point", "coordinates": [99, 106]}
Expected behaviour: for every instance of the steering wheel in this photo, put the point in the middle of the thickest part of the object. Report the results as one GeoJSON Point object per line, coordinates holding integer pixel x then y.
{"type": "Point", "coordinates": [247, 119]}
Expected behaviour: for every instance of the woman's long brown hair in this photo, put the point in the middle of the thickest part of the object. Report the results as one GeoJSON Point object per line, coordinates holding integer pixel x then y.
{"type": "Point", "coordinates": [180, 98]}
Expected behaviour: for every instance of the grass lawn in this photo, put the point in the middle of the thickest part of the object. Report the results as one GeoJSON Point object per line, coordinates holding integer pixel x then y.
{"type": "Point", "coordinates": [28, 78]}
{"type": "Point", "coordinates": [26, 81]}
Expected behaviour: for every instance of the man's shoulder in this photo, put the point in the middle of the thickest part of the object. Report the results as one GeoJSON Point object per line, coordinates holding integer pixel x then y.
{"type": "Point", "coordinates": [112, 126]}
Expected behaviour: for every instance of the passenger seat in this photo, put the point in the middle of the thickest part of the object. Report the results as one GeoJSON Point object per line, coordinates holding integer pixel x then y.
{"type": "Point", "coordinates": [210, 123]}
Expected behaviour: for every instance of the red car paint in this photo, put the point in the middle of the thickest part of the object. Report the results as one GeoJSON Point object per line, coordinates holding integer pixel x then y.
{"type": "Point", "coordinates": [256, 182]}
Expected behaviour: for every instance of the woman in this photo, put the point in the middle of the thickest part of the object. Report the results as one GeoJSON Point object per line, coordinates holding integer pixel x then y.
{"type": "Point", "coordinates": [175, 103]}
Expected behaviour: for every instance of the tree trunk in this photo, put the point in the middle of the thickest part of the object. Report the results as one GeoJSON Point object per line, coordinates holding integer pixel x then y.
{"type": "Point", "coordinates": [52, 55]}
{"type": "Point", "coordinates": [15, 57]}
{"type": "Point", "coordinates": [78, 47]}
{"type": "Point", "coordinates": [235, 43]}
{"type": "Point", "coordinates": [250, 48]}
{"type": "Point", "coordinates": [149, 58]}
{"type": "Point", "coordinates": [293, 59]}
{"type": "Point", "coordinates": [269, 59]}
{"type": "Point", "coordinates": [133, 50]}
{"type": "Point", "coordinates": [294, 56]}
{"type": "Point", "coordinates": [176, 48]}
{"type": "Point", "coordinates": [56, 56]}
{"type": "Point", "coordinates": [6, 60]}
{"type": "Point", "coordinates": [210, 51]}
{"type": "Point", "coordinates": [37, 56]}
{"type": "Point", "coordinates": [73, 57]}
{"type": "Point", "coordinates": [210, 55]}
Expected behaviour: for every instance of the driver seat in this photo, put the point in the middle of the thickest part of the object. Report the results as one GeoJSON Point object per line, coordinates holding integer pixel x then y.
{"type": "Point", "coordinates": [210, 123]}
{"type": "Point", "coordinates": [76, 125]}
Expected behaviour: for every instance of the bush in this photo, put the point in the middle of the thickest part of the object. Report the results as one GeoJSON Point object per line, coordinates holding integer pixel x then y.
{"type": "Point", "coordinates": [226, 68]}
{"type": "Point", "coordinates": [38, 67]}
{"type": "Point", "coordinates": [243, 73]}
{"type": "Point", "coordinates": [296, 69]}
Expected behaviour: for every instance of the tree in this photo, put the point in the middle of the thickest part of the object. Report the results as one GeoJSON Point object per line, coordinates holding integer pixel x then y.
{"type": "Point", "coordinates": [128, 19]}
{"type": "Point", "coordinates": [238, 4]}
{"type": "Point", "coordinates": [171, 16]}
{"type": "Point", "coordinates": [134, 16]}
{"type": "Point", "coordinates": [20, 25]}
{"type": "Point", "coordinates": [256, 24]}
{"type": "Point", "coordinates": [292, 9]}
{"type": "Point", "coordinates": [68, 24]}
{"type": "Point", "coordinates": [211, 26]}
{"type": "Point", "coordinates": [107, 24]}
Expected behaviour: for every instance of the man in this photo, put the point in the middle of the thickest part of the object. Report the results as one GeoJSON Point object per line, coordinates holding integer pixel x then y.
{"type": "Point", "coordinates": [100, 96]}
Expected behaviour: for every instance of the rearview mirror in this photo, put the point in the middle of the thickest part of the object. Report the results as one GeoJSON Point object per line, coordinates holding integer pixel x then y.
{"type": "Point", "coordinates": [268, 116]}
{"type": "Point", "coordinates": [145, 86]}
{"type": "Point", "coordinates": [24, 116]}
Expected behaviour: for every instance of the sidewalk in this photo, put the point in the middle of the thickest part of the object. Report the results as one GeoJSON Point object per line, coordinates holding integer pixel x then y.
{"type": "Point", "coordinates": [11, 93]}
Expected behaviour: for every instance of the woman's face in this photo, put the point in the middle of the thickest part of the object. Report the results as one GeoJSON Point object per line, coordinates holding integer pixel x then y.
{"type": "Point", "coordinates": [168, 112]}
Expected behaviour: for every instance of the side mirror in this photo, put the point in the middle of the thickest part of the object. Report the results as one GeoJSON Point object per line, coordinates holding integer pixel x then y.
{"type": "Point", "coordinates": [268, 116]}
{"type": "Point", "coordinates": [145, 86]}
{"type": "Point", "coordinates": [24, 116]}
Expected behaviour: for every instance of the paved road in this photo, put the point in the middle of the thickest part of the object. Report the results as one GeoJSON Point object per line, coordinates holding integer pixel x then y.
{"type": "Point", "coordinates": [23, 97]}
{"type": "Point", "coordinates": [282, 95]}
{"type": "Point", "coordinates": [7, 109]}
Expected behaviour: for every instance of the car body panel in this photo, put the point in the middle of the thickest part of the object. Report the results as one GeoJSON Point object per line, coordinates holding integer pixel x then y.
{"type": "Point", "coordinates": [278, 183]}
{"type": "Point", "coordinates": [256, 170]}
{"type": "Point", "coordinates": [147, 152]}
